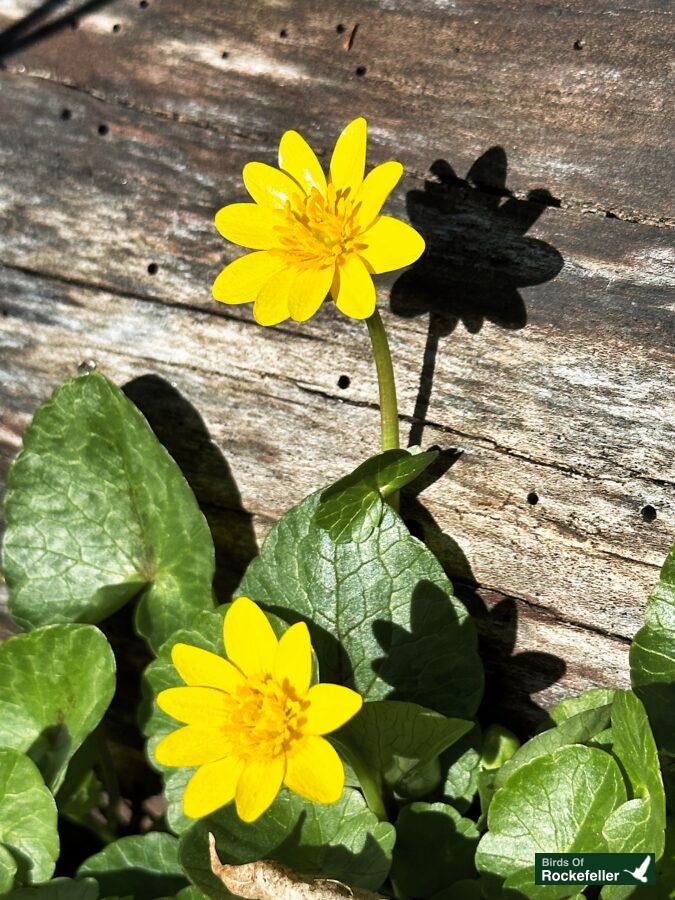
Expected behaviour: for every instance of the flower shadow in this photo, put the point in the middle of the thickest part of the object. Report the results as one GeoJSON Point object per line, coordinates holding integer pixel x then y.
{"type": "Point", "coordinates": [478, 257]}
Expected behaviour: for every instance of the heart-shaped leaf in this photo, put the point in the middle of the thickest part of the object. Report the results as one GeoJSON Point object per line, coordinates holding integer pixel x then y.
{"type": "Point", "coordinates": [557, 803]}
{"type": "Point", "coordinates": [352, 508]}
{"type": "Point", "coordinates": [652, 658]}
{"type": "Point", "coordinates": [639, 824]}
{"type": "Point", "coordinates": [578, 729]}
{"type": "Point", "coordinates": [141, 866]}
{"type": "Point", "coordinates": [396, 746]}
{"type": "Point", "coordinates": [344, 841]}
{"type": "Point", "coordinates": [381, 611]}
{"type": "Point", "coordinates": [55, 685]}
{"type": "Point", "coordinates": [435, 846]}
{"type": "Point", "coordinates": [98, 512]}
{"type": "Point", "coordinates": [29, 842]}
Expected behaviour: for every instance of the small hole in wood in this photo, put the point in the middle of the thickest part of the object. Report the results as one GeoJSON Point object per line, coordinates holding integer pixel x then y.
{"type": "Point", "coordinates": [86, 366]}
{"type": "Point", "coordinates": [579, 44]}
{"type": "Point", "coordinates": [361, 71]}
{"type": "Point", "coordinates": [283, 33]}
{"type": "Point", "coordinates": [66, 114]}
{"type": "Point", "coordinates": [648, 513]}
{"type": "Point", "coordinates": [224, 54]}
{"type": "Point", "coordinates": [74, 23]}
{"type": "Point", "coordinates": [116, 28]}
{"type": "Point", "coordinates": [533, 498]}
{"type": "Point", "coordinates": [103, 130]}
{"type": "Point", "coordinates": [153, 268]}
{"type": "Point", "coordinates": [143, 4]}
{"type": "Point", "coordinates": [340, 28]}
{"type": "Point", "coordinates": [343, 382]}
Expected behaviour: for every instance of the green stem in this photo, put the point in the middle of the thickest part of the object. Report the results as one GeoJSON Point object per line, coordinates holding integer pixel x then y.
{"type": "Point", "coordinates": [387, 384]}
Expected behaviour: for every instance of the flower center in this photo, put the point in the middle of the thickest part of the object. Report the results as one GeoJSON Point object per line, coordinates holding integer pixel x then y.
{"type": "Point", "coordinates": [319, 229]}
{"type": "Point", "coordinates": [265, 719]}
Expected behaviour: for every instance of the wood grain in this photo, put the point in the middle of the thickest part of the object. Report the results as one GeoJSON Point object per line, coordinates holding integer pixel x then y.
{"type": "Point", "coordinates": [533, 344]}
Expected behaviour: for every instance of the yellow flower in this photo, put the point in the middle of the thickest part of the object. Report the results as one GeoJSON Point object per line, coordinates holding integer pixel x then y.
{"type": "Point", "coordinates": [314, 234]}
{"type": "Point", "coordinates": [253, 722]}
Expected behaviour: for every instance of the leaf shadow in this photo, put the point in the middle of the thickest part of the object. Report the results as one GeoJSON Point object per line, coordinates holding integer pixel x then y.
{"type": "Point", "coordinates": [511, 677]}
{"type": "Point", "coordinates": [50, 750]}
{"type": "Point", "coordinates": [181, 429]}
{"type": "Point", "coordinates": [27, 31]}
{"type": "Point", "coordinates": [478, 257]}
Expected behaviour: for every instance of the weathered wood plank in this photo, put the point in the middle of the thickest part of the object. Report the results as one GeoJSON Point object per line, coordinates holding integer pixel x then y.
{"type": "Point", "coordinates": [583, 551]}
{"type": "Point", "coordinates": [437, 79]}
{"type": "Point", "coordinates": [534, 652]}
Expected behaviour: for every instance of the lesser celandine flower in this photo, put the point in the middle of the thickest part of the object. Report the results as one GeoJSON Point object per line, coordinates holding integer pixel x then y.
{"type": "Point", "coordinates": [313, 234]}
{"type": "Point", "coordinates": [254, 721]}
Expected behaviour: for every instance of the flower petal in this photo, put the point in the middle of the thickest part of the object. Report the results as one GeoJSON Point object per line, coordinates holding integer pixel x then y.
{"type": "Point", "coordinates": [258, 785]}
{"type": "Point", "coordinates": [293, 662]}
{"type": "Point", "coordinates": [195, 705]}
{"type": "Point", "coordinates": [330, 706]}
{"type": "Point", "coordinates": [192, 745]}
{"type": "Point", "coordinates": [348, 161]}
{"type": "Point", "coordinates": [390, 244]}
{"type": "Point", "coordinates": [250, 642]}
{"type": "Point", "coordinates": [376, 187]}
{"type": "Point", "coordinates": [249, 225]}
{"type": "Point", "coordinates": [211, 787]}
{"type": "Point", "coordinates": [355, 295]}
{"type": "Point", "coordinates": [315, 771]}
{"type": "Point", "coordinates": [269, 186]}
{"type": "Point", "coordinates": [241, 280]}
{"type": "Point", "coordinates": [271, 304]}
{"type": "Point", "coordinates": [308, 291]}
{"type": "Point", "coordinates": [298, 159]}
{"type": "Point", "coordinates": [202, 668]}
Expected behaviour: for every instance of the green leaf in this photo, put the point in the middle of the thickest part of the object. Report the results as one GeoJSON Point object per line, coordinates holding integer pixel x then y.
{"type": "Point", "coordinates": [578, 729]}
{"type": "Point", "coordinates": [396, 746]}
{"type": "Point", "coordinates": [499, 745]}
{"type": "Point", "coordinates": [381, 612]}
{"type": "Point", "coordinates": [98, 512]}
{"type": "Point", "coordinates": [343, 841]}
{"type": "Point", "coordinates": [554, 803]}
{"type": "Point", "coordinates": [572, 706]}
{"type": "Point", "coordinates": [29, 842]}
{"type": "Point", "coordinates": [466, 889]}
{"type": "Point", "coordinates": [638, 825]}
{"type": "Point", "coordinates": [435, 846]}
{"type": "Point", "coordinates": [206, 632]}
{"type": "Point", "coordinates": [58, 889]}
{"type": "Point", "coordinates": [652, 658]}
{"type": "Point", "coordinates": [352, 508]}
{"type": "Point", "coordinates": [142, 866]}
{"type": "Point", "coordinates": [460, 765]}
{"type": "Point", "coordinates": [62, 678]}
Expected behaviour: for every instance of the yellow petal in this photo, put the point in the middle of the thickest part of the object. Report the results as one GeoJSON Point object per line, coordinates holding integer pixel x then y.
{"type": "Point", "coordinates": [308, 291]}
{"type": "Point", "coordinates": [271, 303]}
{"type": "Point", "coordinates": [250, 642]}
{"type": "Point", "coordinates": [268, 186]}
{"type": "Point", "coordinates": [315, 771]}
{"type": "Point", "coordinates": [192, 745]}
{"type": "Point", "coordinates": [348, 162]}
{"type": "Point", "coordinates": [376, 187]}
{"type": "Point", "coordinates": [390, 244]}
{"type": "Point", "coordinates": [204, 669]}
{"type": "Point", "coordinates": [298, 159]}
{"type": "Point", "coordinates": [195, 705]}
{"type": "Point", "coordinates": [258, 785]}
{"type": "Point", "coordinates": [293, 662]}
{"type": "Point", "coordinates": [211, 787]}
{"type": "Point", "coordinates": [249, 225]}
{"type": "Point", "coordinates": [330, 706]}
{"type": "Point", "coordinates": [355, 295]}
{"type": "Point", "coordinates": [241, 281]}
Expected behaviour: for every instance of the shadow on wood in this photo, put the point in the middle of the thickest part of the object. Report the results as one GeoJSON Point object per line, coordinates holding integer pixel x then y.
{"type": "Point", "coordinates": [181, 429]}
{"type": "Point", "coordinates": [476, 260]}
{"type": "Point", "coordinates": [510, 678]}
{"type": "Point", "coordinates": [19, 36]}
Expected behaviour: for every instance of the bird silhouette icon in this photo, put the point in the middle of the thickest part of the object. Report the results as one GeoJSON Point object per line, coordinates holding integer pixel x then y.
{"type": "Point", "coordinates": [640, 874]}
